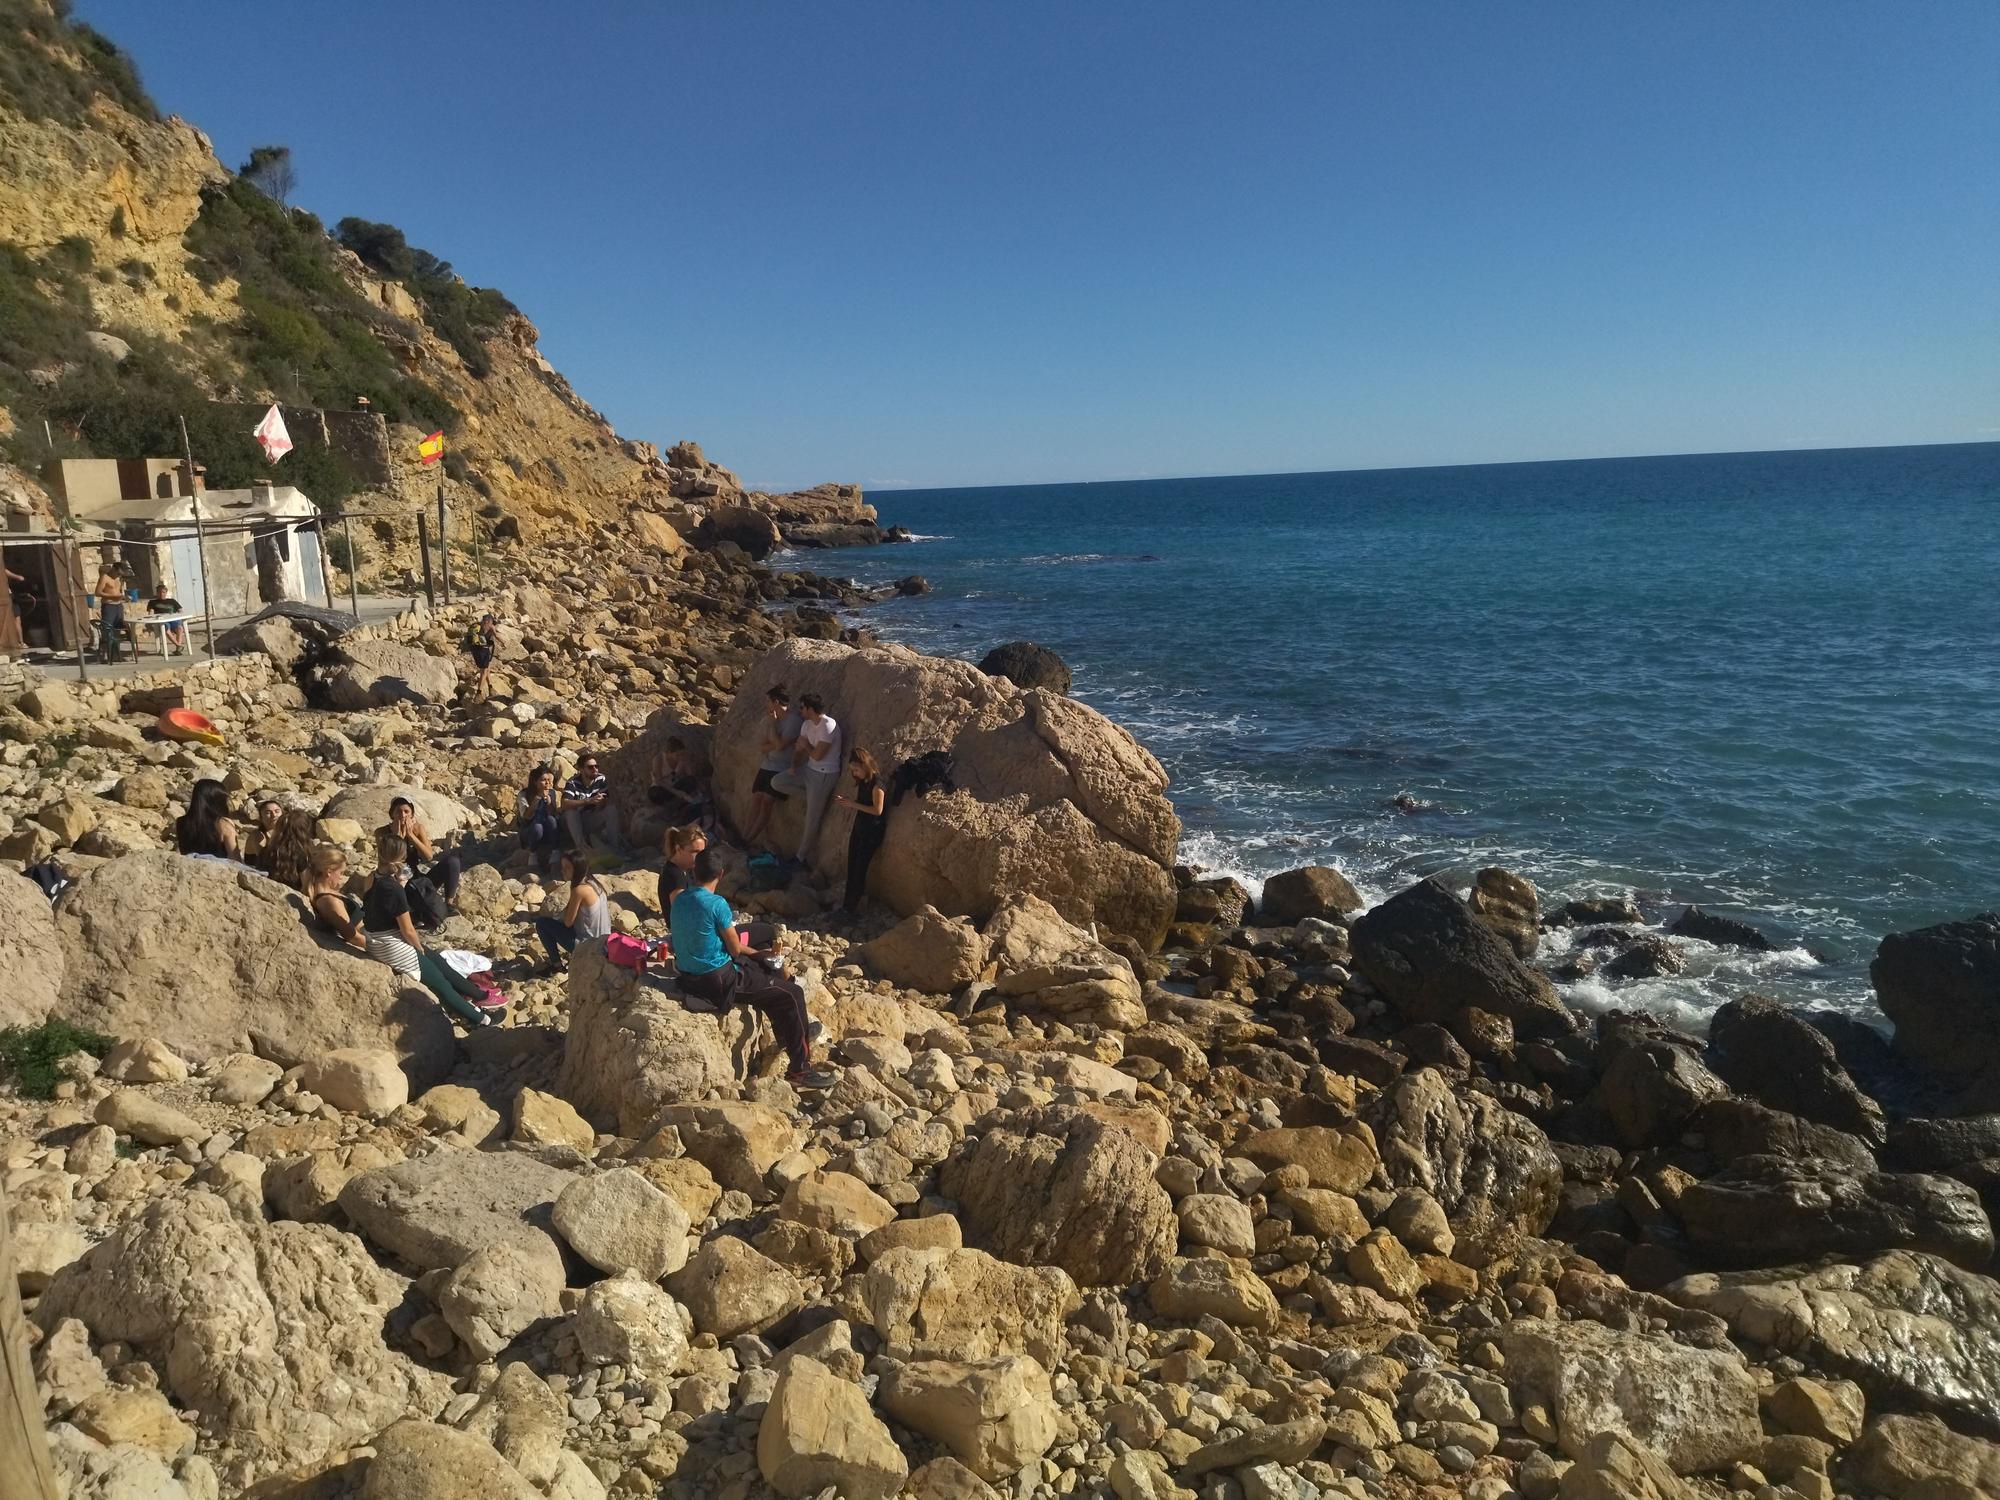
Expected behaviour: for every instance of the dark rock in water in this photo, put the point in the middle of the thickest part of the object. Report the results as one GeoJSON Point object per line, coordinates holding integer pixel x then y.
{"type": "Point", "coordinates": [1647, 957]}
{"type": "Point", "coordinates": [1912, 1330]}
{"type": "Point", "coordinates": [1724, 932]}
{"type": "Point", "coordinates": [1507, 903]}
{"type": "Point", "coordinates": [1491, 1171]}
{"type": "Point", "coordinates": [1761, 1049]}
{"type": "Point", "coordinates": [1595, 909]}
{"type": "Point", "coordinates": [1942, 1145]}
{"type": "Point", "coordinates": [1573, 968]}
{"type": "Point", "coordinates": [1221, 900]}
{"type": "Point", "coordinates": [1650, 1089]}
{"type": "Point", "coordinates": [1427, 955]}
{"type": "Point", "coordinates": [1941, 986]}
{"type": "Point", "coordinates": [1027, 665]}
{"type": "Point", "coordinates": [1601, 937]}
{"type": "Point", "coordinates": [1771, 1210]}
{"type": "Point", "coordinates": [913, 585]}
{"type": "Point", "coordinates": [1312, 891]}
{"type": "Point", "coordinates": [1734, 1128]}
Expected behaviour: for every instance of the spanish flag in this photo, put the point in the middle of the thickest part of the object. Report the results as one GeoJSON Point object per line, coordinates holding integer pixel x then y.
{"type": "Point", "coordinates": [431, 449]}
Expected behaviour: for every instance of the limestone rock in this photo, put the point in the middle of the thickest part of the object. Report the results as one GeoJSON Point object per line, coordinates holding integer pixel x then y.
{"type": "Point", "coordinates": [1226, 1289]}
{"type": "Point", "coordinates": [728, 1287]}
{"type": "Point", "coordinates": [358, 1080]}
{"type": "Point", "coordinates": [146, 1119]}
{"type": "Point", "coordinates": [996, 1416]}
{"type": "Point", "coordinates": [627, 1320]}
{"type": "Point", "coordinates": [495, 1294]}
{"type": "Point", "coordinates": [738, 1141]}
{"type": "Point", "coordinates": [1770, 1210]}
{"type": "Point", "coordinates": [1341, 1161]}
{"type": "Point", "coordinates": [1827, 1410]}
{"type": "Point", "coordinates": [368, 807]}
{"type": "Point", "coordinates": [307, 1188]}
{"type": "Point", "coordinates": [1315, 891]}
{"type": "Point", "coordinates": [1432, 960]}
{"type": "Point", "coordinates": [546, 1120]}
{"type": "Point", "coordinates": [619, 1219]}
{"type": "Point", "coordinates": [964, 1304]}
{"type": "Point", "coordinates": [1613, 1467]}
{"type": "Point", "coordinates": [31, 956]}
{"type": "Point", "coordinates": [633, 1050]}
{"type": "Point", "coordinates": [1491, 1171]}
{"type": "Point", "coordinates": [1919, 1458]}
{"type": "Point", "coordinates": [927, 951]}
{"type": "Point", "coordinates": [818, 1431]}
{"type": "Point", "coordinates": [141, 1418]}
{"type": "Point", "coordinates": [1695, 1408]}
{"type": "Point", "coordinates": [428, 1461]}
{"type": "Point", "coordinates": [244, 1078]}
{"type": "Point", "coordinates": [206, 955]}
{"type": "Point", "coordinates": [1060, 1187]}
{"type": "Point", "coordinates": [836, 1203]}
{"type": "Point", "coordinates": [1507, 903]}
{"type": "Point", "coordinates": [270, 1333]}
{"type": "Point", "coordinates": [41, 1250]}
{"type": "Point", "coordinates": [1912, 1330]}
{"type": "Point", "coordinates": [437, 1210]}
{"type": "Point", "coordinates": [378, 674]}
{"type": "Point", "coordinates": [1052, 798]}
{"type": "Point", "coordinates": [1216, 1221]}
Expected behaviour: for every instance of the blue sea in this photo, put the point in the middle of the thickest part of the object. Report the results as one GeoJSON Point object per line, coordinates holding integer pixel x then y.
{"type": "Point", "coordinates": [1765, 682]}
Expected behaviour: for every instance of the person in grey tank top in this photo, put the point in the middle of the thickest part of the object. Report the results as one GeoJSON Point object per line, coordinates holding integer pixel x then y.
{"type": "Point", "coordinates": [587, 916]}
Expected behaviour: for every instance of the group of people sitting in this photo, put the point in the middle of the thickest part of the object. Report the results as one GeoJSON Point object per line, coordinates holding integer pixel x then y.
{"type": "Point", "coordinates": [413, 879]}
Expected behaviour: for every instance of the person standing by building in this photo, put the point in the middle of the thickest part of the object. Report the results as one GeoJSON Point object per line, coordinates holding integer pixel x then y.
{"type": "Point", "coordinates": [110, 607]}
{"type": "Point", "coordinates": [816, 768]}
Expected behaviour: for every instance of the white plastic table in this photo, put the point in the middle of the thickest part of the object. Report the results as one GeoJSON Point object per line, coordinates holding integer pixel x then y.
{"type": "Point", "coordinates": [163, 624]}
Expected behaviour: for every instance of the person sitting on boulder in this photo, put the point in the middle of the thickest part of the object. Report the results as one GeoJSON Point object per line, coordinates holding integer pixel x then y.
{"type": "Point", "coordinates": [253, 841]}
{"type": "Point", "coordinates": [539, 810]}
{"type": "Point", "coordinates": [164, 603]}
{"type": "Point", "coordinates": [681, 844]}
{"type": "Point", "coordinates": [871, 823]}
{"type": "Point", "coordinates": [679, 788]}
{"type": "Point", "coordinates": [287, 853]}
{"type": "Point", "coordinates": [443, 870]}
{"type": "Point", "coordinates": [325, 890]}
{"type": "Point", "coordinates": [586, 806]}
{"type": "Point", "coordinates": [392, 937]}
{"type": "Point", "coordinates": [588, 914]}
{"type": "Point", "coordinates": [815, 770]}
{"type": "Point", "coordinates": [781, 738]}
{"type": "Point", "coordinates": [714, 963]}
{"type": "Point", "coordinates": [206, 830]}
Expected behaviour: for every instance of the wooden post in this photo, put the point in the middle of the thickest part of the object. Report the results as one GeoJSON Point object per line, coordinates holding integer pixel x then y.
{"type": "Point", "coordinates": [25, 1470]}
{"type": "Point", "coordinates": [325, 567]}
{"type": "Point", "coordinates": [200, 543]}
{"type": "Point", "coordinates": [444, 544]}
{"type": "Point", "coordinates": [424, 550]}
{"type": "Point", "coordinates": [353, 593]}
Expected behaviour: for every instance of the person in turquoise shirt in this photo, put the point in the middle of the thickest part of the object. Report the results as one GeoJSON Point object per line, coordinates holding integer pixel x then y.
{"type": "Point", "coordinates": [713, 963]}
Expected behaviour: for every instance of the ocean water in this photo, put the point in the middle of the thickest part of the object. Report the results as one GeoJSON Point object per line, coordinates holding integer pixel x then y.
{"type": "Point", "coordinates": [1767, 682]}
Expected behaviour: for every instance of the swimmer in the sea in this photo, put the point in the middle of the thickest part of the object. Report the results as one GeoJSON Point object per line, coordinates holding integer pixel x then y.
{"type": "Point", "coordinates": [1403, 802]}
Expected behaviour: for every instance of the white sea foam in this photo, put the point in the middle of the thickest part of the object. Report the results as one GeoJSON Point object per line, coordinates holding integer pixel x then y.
{"type": "Point", "coordinates": [921, 536]}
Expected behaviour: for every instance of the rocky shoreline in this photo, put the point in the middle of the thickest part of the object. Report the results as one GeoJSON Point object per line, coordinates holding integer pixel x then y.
{"type": "Point", "coordinates": [1124, 1187]}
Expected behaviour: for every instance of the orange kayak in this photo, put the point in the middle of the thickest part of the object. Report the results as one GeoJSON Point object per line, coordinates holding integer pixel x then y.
{"type": "Point", "coordinates": [186, 724]}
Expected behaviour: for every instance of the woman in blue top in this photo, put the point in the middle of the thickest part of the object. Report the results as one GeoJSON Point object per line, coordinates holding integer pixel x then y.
{"type": "Point", "coordinates": [713, 963]}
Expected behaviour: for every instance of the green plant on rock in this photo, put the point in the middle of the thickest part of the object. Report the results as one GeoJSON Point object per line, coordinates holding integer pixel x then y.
{"type": "Point", "coordinates": [30, 1054]}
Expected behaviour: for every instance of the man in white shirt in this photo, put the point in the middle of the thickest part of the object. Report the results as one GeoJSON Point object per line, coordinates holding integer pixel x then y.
{"type": "Point", "coordinates": [815, 768]}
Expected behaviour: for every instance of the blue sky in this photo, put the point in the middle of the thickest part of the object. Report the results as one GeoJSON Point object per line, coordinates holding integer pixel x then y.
{"type": "Point", "coordinates": [944, 244]}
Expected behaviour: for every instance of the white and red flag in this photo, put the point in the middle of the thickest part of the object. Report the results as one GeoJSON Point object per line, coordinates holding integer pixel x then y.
{"type": "Point", "coordinates": [271, 435]}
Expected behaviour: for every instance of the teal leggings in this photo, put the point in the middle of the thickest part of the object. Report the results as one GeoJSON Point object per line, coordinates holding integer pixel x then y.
{"type": "Point", "coordinates": [454, 992]}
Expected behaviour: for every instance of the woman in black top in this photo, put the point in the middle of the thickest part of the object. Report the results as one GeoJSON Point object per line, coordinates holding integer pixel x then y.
{"type": "Point", "coordinates": [206, 827]}
{"type": "Point", "coordinates": [871, 822]}
{"type": "Point", "coordinates": [392, 937]}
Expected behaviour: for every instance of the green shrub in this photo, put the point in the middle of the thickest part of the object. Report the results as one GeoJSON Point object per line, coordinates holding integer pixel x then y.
{"type": "Point", "coordinates": [344, 553]}
{"type": "Point", "coordinates": [29, 1054]}
{"type": "Point", "coordinates": [38, 79]}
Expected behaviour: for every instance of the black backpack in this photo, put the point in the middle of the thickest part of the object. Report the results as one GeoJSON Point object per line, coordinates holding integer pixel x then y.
{"type": "Point", "coordinates": [427, 906]}
{"type": "Point", "coordinates": [930, 772]}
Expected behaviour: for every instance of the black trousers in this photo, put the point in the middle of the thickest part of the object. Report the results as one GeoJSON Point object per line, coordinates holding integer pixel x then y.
{"type": "Point", "coordinates": [862, 845]}
{"type": "Point", "coordinates": [747, 982]}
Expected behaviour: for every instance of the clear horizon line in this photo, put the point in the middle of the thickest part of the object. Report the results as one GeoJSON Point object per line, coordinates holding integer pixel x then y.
{"type": "Point", "coordinates": [897, 487]}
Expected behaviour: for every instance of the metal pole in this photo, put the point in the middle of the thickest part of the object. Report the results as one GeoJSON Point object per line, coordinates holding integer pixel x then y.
{"type": "Point", "coordinates": [353, 595]}
{"type": "Point", "coordinates": [424, 548]}
{"type": "Point", "coordinates": [325, 568]}
{"type": "Point", "coordinates": [444, 544]}
{"type": "Point", "coordinates": [24, 1454]}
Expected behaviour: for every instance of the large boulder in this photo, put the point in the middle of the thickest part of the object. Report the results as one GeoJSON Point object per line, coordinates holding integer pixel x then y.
{"type": "Point", "coordinates": [213, 958]}
{"type": "Point", "coordinates": [927, 951]}
{"type": "Point", "coordinates": [1761, 1049]}
{"type": "Point", "coordinates": [1911, 1330]}
{"type": "Point", "coordinates": [1695, 1408]}
{"type": "Point", "coordinates": [436, 1211]}
{"type": "Point", "coordinates": [1492, 1171]}
{"type": "Point", "coordinates": [1313, 891]}
{"type": "Point", "coordinates": [633, 1050]}
{"type": "Point", "coordinates": [430, 1461]}
{"type": "Point", "coordinates": [1771, 1210]}
{"type": "Point", "coordinates": [1027, 665]}
{"type": "Point", "coordinates": [30, 954]}
{"type": "Point", "coordinates": [1650, 1088]}
{"type": "Point", "coordinates": [1941, 986]}
{"type": "Point", "coordinates": [964, 1304]}
{"type": "Point", "coordinates": [746, 527]}
{"type": "Point", "coordinates": [1045, 963]}
{"type": "Point", "coordinates": [369, 806]}
{"type": "Point", "coordinates": [1919, 1458]}
{"type": "Point", "coordinates": [995, 1415]}
{"type": "Point", "coordinates": [818, 1434]}
{"type": "Point", "coordinates": [1507, 903]}
{"type": "Point", "coordinates": [270, 1335]}
{"type": "Point", "coordinates": [1059, 1187]}
{"type": "Point", "coordinates": [376, 674]}
{"type": "Point", "coordinates": [1052, 798]}
{"type": "Point", "coordinates": [1432, 959]}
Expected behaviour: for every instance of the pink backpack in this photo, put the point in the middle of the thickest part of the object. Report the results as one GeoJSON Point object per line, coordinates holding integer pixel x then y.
{"type": "Point", "coordinates": [627, 952]}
